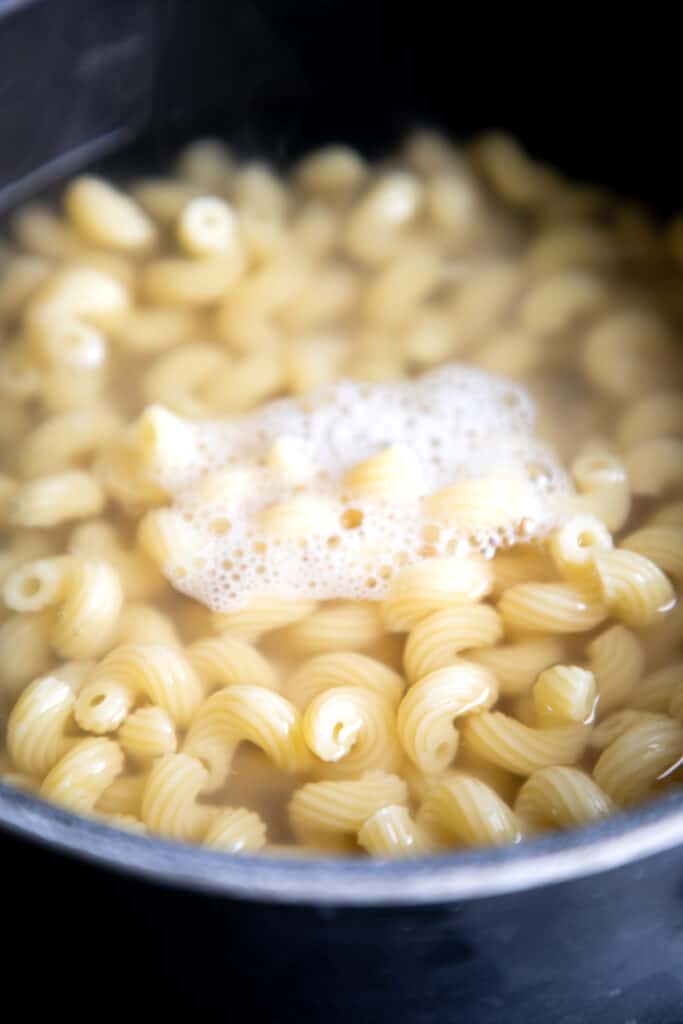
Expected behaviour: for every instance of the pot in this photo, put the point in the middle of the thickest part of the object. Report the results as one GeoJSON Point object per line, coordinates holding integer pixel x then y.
{"type": "Point", "coordinates": [567, 929]}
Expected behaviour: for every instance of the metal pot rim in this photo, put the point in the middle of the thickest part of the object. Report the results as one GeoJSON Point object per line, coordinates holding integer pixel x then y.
{"type": "Point", "coordinates": [653, 828]}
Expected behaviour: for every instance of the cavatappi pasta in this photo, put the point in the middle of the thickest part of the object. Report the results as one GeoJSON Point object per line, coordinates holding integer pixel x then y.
{"type": "Point", "coordinates": [469, 693]}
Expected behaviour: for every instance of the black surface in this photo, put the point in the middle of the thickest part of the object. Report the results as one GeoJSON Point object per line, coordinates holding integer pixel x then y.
{"type": "Point", "coordinates": [80, 78]}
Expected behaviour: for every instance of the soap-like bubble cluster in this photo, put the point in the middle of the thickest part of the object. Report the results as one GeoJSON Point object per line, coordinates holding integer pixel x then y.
{"type": "Point", "coordinates": [271, 502]}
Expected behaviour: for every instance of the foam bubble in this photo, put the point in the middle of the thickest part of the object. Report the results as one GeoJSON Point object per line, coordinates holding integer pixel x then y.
{"type": "Point", "coordinates": [284, 500]}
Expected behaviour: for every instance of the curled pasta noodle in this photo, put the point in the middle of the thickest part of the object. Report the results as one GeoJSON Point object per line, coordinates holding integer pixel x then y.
{"type": "Point", "coordinates": [78, 293]}
{"type": "Point", "coordinates": [392, 832]}
{"type": "Point", "coordinates": [169, 799]}
{"type": "Point", "coordinates": [635, 589]}
{"type": "Point", "coordinates": [61, 440]}
{"type": "Point", "coordinates": [393, 474]}
{"type": "Point", "coordinates": [57, 498]}
{"type": "Point", "coordinates": [151, 329]}
{"type": "Point", "coordinates": [516, 666]}
{"type": "Point", "coordinates": [561, 797]}
{"type": "Point", "coordinates": [191, 282]}
{"type": "Point", "coordinates": [175, 378]}
{"type": "Point", "coordinates": [482, 504]}
{"type": "Point", "coordinates": [432, 585]}
{"type": "Point", "coordinates": [519, 748]}
{"type": "Point", "coordinates": [628, 769]}
{"type": "Point", "coordinates": [342, 806]}
{"type": "Point", "coordinates": [89, 596]}
{"type": "Point", "coordinates": [519, 566]}
{"type": "Point", "coordinates": [626, 353]}
{"type": "Point", "coordinates": [98, 540]}
{"type": "Point", "coordinates": [147, 733]}
{"type": "Point", "coordinates": [662, 641]}
{"type": "Point", "coordinates": [603, 483]}
{"type": "Point", "coordinates": [205, 164]}
{"type": "Point", "coordinates": [343, 668]}
{"type": "Point", "coordinates": [564, 694]}
{"type": "Point", "coordinates": [617, 660]}
{"type": "Point", "coordinates": [253, 713]}
{"type": "Point", "coordinates": [652, 417]}
{"type": "Point", "coordinates": [348, 625]}
{"type": "Point", "coordinates": [462, 809]}
{"type": "Point", "coordinates": [550, 608]}
{"type": "Point", "coordinates": [426, 713]}
{"type": "Point", "coordinates": [332, 171]}
{"type": "Point", "coordinates": [654, 693]}
{"type": "Point", "coordinates": [437, 639]}
{"type": "Point", "coordinates": [80, 777]}
{"type": "Point", "coordinates": [353, 730]}
{"type": "Point", "coordinates": [235, 830]}
{"type": "Point", "coordinates": [227, 660]}
{"type": "Point", "coordinates": [575, 545]}
{"type": "Point", "coordinates": [38, 723]}
{"type": "Point", "coordinates": [662, 545]}
{"type": "Point", "coordinates": [655, 466]}
{"type": "Point", "coordinates": [161, 674]}
{"type": "Point", "coordinates": [123, 796]}
{"type": "Point", "coordinates": [560, 297]}
{"type": "Point", "coordinates": [616, 724]}
{"type": "Point", "coordinates": [141, 623]}
{"type": "Point", "coordinates": [107, 217]}
{"type": "Point", "coordinates": [207, 226]}
{"type": "Point", "coordinates": [24, 651]}
{"type": "Point", "coordinates": [374, 225]}
{"type": "Point", "coordinates": [263, 615]}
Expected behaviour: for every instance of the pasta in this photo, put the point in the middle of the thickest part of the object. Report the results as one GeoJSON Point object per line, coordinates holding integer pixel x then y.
{"type": "Point", "coordinates": [277, 575]}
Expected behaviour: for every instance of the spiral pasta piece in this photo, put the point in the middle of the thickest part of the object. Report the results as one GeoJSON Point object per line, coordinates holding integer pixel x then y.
{"type": "Point", "coordinates": [352, 729]}
{"type": "Point", "coordinates": [141, 623]}
{"type": "Point", "coordinates": [563, 694]}
{"type": "Point", "coordinates": [147, 733]}
{"type": "Point", "coordinates": [342, 806]}
{"type": "Point", "coordinates": [37, 725]}
{"type": "Point", "coordinates": [635, 589]}
{"type": "Point", "coordinates": [253, 713]}
{"type": "Point", "coordinates": [235, 830]}
{"type": "Point", "coordinates": [550, 608]}
{"type": "Point", "coordinates": [654, 693]}
{"type": "Point", "coordinates": [516, 666]}
{"type": "Point", "coordinates": [227, 660]}
{"type": "Point", "coordinates": [161, 674]}
{"type": "Point", "coordinates": [349, 625]}
{"type": "Point", "coordinates": [662, 545]}
{"type": "Point", "coordinates": [169, 800]}
{"type": "Point", "coordinates": [343, 668]}
{"type": "Point", "coordinates": [462, 809]}
{"type": "Point", "coordinates": [437, 639]}
{"type": "Point", "coordinates": [519, 748]}
{"type": "Point", "coordinates": [81, 776]}
{"type": "Point", "coordinates": [393, 474]}
{"type": "Point", "coordinates": [426, 713]}
{"type": "Point", "coordinates": [392, 832]}
{"type": "Point", "coordinates": [262, 616]}
{"type": "Point", "coordinates": [434, 584]}
{"type": "Point", "coordinates": [617, 661]}
{"type": "Point", "coordinates": [561, 797]}
{"type": "Point", "coordinates": [629, 768]}
{"type": "Point", "coordinates": [123, 796]}
{"type": "Point", "coordinates": [616, 724]}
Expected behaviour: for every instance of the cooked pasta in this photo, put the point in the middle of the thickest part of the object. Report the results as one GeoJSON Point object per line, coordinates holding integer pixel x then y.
{"type": "Point", "coordinates": [341, 504]}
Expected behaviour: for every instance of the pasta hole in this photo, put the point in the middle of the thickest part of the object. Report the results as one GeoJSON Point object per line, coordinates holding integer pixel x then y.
{"type": "Point", "coordinates": [31, 586]}
{"type": "Point", "coordinates": [96, 701]}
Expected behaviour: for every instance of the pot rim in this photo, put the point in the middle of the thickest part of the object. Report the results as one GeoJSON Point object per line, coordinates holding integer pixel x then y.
{"type": "Point", "coordinates": [655, 827]}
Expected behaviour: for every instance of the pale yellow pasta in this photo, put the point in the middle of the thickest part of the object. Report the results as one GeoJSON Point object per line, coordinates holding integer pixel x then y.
{"type": "Point", "coordinates": [141, 623]}
{"type": "Point", "coordinates": [617, 660]}
{"type": "Point", "coordinates": [332, 172]}
{"type": "Point", "coordinates": [123, 796]}
{"type": "Point", "coordinates": [342, 806]}
{"type": "Point", "coordinates": [575, 545]}
{"type": "Point", "coordinates": [24, 651]}
{"type": "Point", "coordinates": [151, 329]}
{"type": "Point", "coordinates": [74, 351]}
{"type": "Point", "coordinates": [169, 799]}
{"type": "Point", "coordinates": [676, 704]}
{"type": "Point", "coordinates": [629, 768]}
{"type": "Point", "coordinates": [513, 175]}
{"type": "Point", "coordinates": [517, 665]}
{"type": "Point", "coordinates": [519, 748]}
{"type": "Point", "coordinates": [228, 660]}
{"type": "Point", "coordinates": [392, 832]}
{"type": "Point", "coordinates": [36, 585]}
{"type": "Point", "coordinates": [104, 215]}
{"type": "Point", "coordinates": [550, 608]}
{"type": "Point", "coordinates": [20, 378]}
{"type": "Point", "coordinates": [63, 440]}
{"type": "Point", "coordinates": [434, 584]}
{"type": "Point", "coordinates": [119, 473]}
{"type": "Point", "coordinates": [376, 221]}
{"type": "Point", "coordinates": [511, 352]}
{"type": "Point", "coordinates": [168, 539]}
{"type": "Point", "coordinates": [519, 565]}
{"type": "Point", "coordinates": [235, 830]}
{"type": "Point", "coordinates": [654, 693]}
{"type": "Point", "coordinates": [311, 362]}
{"type": "Point", "coordinates": [138, 575]}
{"type": "Point", "coordinates": [561, 797]}
{"type": "Point", "coordinates": [147, 733]}
{"type": "Point", "coordinates": [207, 226]}
{"type": "Point", "coordinates": [656, 466]}
{"type": "Point", "coordinates": [314, 227]}
{"type": "Point", "coordinates": [78, 293]}
{"type": "Point", "coordinates": [38, 723]}
{"type": "Point", "coordinates": [57, 498]}
{"type": "Point", "coordinates": [20, 277]}
{"type": "Point", "coordinates": [427, 712]}
{"type": "Point", "coordinates": [239, 713]}
{"type": "Point", "coordinates": [24, 546]}
{"type": "Point", "coordinates": [328, 297]}
{"type": "Point", "coordinates": [628, 353]}
{"type": "Point", "coordinates": [161, 674]}
{"type": "Point", "coordinates": [393, 474]}
{"type": "Point", "coordinates": [175, 378]}
{"type": "Point", "coordinates": [191, 282]}
{"type": "Point", "coordinates": [616, 724]}
{"type": "Point", "coordinates": [488, 503]}
{"type": "Point", "coordinates": [437, 639]}
{"type": "Point", "coordinates": [42, 233]}
{"type": "Point", "coordinates": [604, 488]}
{"type": "Point", "coordinates": [635, 590]}
{"type": "Point", "coordinates": [670, 514]}
{"type": "Point", "coordinates": [8, 488]}
{"type": "Point", "coordinates": [343, 668]}
{"type": "Point", "coordinates": [263, 615]}
{"type": "Point", "coordinates": [664, 640]}
{"type": "Point", "coordinates": [257, 189]}
{"type": "Point", "coordinates": [352, 729]}
{"type": "Point", "coordinates": [396, 289]}
{"type": "Point", "coordinates": [80, 777]}
{"type": "Point", "coordinates": [462, 810]}
{"type": "Point", "coordinates": [342, 626]}
{"type": "Point", "coordinates": [651, 417]}
{"type": "Point", "coordinates": [662, 545]}
{"type": "Point", "coordinates": [564, 694]}
{"type": "Point", "coordinates": [557, 299]}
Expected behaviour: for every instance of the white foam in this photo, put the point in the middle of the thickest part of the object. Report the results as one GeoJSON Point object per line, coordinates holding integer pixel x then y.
{"type": "Point", "coordinates": [458, 424]}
